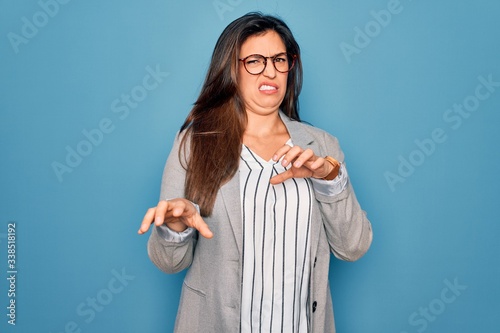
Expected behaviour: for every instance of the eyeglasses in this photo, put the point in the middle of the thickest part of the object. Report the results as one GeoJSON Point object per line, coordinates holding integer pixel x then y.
{"type": "Point", "coordinates": [255, 64]}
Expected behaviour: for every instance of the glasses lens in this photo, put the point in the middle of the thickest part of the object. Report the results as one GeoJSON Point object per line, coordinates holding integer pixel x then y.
{"type": "Point", "coordinates": [255, 64]}
{"type": "Point", "coordinates": [283, 63]}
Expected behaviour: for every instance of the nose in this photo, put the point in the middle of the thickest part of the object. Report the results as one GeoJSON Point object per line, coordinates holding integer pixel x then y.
{"type": "Point", "coordinates": [269, 71]}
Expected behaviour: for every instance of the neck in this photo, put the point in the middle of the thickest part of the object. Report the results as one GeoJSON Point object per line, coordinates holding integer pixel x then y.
{"type": "Point", "coordinates": [263, 125]}
{"type": "Point", "coordinates": [265, 134]}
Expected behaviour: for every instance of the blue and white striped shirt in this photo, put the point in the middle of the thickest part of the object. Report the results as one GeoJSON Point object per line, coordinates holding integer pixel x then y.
{"type": "Point", "coordinates": [276, 235]}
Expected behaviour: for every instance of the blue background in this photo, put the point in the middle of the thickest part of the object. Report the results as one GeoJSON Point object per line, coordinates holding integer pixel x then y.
{"type": "Point", "coordinates": [436, 226]}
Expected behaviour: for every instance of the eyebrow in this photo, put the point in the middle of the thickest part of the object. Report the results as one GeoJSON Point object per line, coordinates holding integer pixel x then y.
{"type": "Point", "coordinates": [284, 52]}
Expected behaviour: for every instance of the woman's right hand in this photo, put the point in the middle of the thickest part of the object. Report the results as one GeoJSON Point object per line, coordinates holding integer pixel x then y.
{"type": "Point", "coordinates": [178, 215]}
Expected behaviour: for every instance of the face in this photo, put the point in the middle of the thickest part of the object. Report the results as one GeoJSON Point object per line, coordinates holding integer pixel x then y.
{"type": "Point", "coordinates": [262, 93]}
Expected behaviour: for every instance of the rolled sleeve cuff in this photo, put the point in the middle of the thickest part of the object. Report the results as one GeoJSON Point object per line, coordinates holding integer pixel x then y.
{"type": "Point", "coordinates": [173, 236]}
{"type": "Point", "coordinates": [334, 186]}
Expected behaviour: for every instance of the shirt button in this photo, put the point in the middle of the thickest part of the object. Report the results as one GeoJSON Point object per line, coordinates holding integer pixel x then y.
{"type": "Point", "coordinates": [315, 304]}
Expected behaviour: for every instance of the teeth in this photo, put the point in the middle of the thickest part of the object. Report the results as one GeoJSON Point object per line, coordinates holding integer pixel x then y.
{"type": "Point", "coordinates": [265, 87]}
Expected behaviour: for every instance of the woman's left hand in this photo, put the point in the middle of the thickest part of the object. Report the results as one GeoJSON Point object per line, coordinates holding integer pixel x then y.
{"type": "Point", "coordinates": [305, 164]}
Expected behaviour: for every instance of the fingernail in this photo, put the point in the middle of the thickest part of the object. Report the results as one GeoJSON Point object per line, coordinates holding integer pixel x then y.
{"type": "Point", "coordinates": [297, 164]}
{"type": "Point", "coordinates": [275, 158]}
{"type": "Point", "coordinates": [284, 162]}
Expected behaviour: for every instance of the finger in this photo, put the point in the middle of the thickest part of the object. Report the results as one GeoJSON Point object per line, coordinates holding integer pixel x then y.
{"type": "Point", "coordinates": [191, 217]}
{"type": "Point", "coordinates": [303, 159]}
{"type": "Point", "coordinates": [280, 152]}
{"type": "Point", "coordinates": [291, 155]}
{"type": "Point", "coordinates": [316, 165]}
{"type": "Point", "coordinates": [281, 177]}
{"type": "Point", "coordinates": [179, 208]}
{"type": "Point", "coordinates": [203, 228]}
{"type": "Point", "coordinates": [320, 168]}
{"type": "Point", "coordinates": [147, 221]}
{"type": "Point", "coordinates": [161, 211]}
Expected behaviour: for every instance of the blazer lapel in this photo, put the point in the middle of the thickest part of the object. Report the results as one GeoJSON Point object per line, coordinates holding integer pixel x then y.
{"type": "Point", "coordinates": [300, 137]}
{"type": "Point", "coordinates": [231, 198]}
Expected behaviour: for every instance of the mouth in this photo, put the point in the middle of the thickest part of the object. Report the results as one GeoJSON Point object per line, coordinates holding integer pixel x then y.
{"type": "Point", "coordinates": [268, 87]}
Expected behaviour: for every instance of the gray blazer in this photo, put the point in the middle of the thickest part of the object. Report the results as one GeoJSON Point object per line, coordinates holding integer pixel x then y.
{"type": "Point", "coordinates": [211, 292]}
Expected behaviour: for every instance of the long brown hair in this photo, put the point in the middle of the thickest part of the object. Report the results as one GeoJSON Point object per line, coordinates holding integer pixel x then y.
{"type": "Point", "coordinates": [214, 127]}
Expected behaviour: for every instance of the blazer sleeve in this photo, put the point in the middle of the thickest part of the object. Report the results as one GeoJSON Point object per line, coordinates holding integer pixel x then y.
{"type": "Point", "coordinates": [348, 230]}
{"type": "Point", "coordinates": [172, 256]}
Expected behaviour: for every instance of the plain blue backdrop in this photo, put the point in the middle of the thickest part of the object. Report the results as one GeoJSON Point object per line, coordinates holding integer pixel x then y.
{"type": "Point", "coordinates": [92, 93]}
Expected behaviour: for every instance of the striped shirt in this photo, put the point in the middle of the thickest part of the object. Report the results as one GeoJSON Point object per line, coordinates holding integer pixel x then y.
{"type": "Point", "coordinates": [276, 236]}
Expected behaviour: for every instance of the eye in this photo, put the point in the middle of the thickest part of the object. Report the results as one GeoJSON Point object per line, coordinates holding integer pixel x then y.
{"type": "Point", "coordinates": [281, 58]}
{"type": "Point", "coordinates": [254, 60]}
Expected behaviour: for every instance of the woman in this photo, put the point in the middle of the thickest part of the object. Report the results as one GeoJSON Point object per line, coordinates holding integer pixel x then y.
{"type": "Point", "coordinates": [253, 200]}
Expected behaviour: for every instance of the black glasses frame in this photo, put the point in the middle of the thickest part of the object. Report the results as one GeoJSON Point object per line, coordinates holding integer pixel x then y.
{"type": "Point", "coordinates": [293, 57]}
